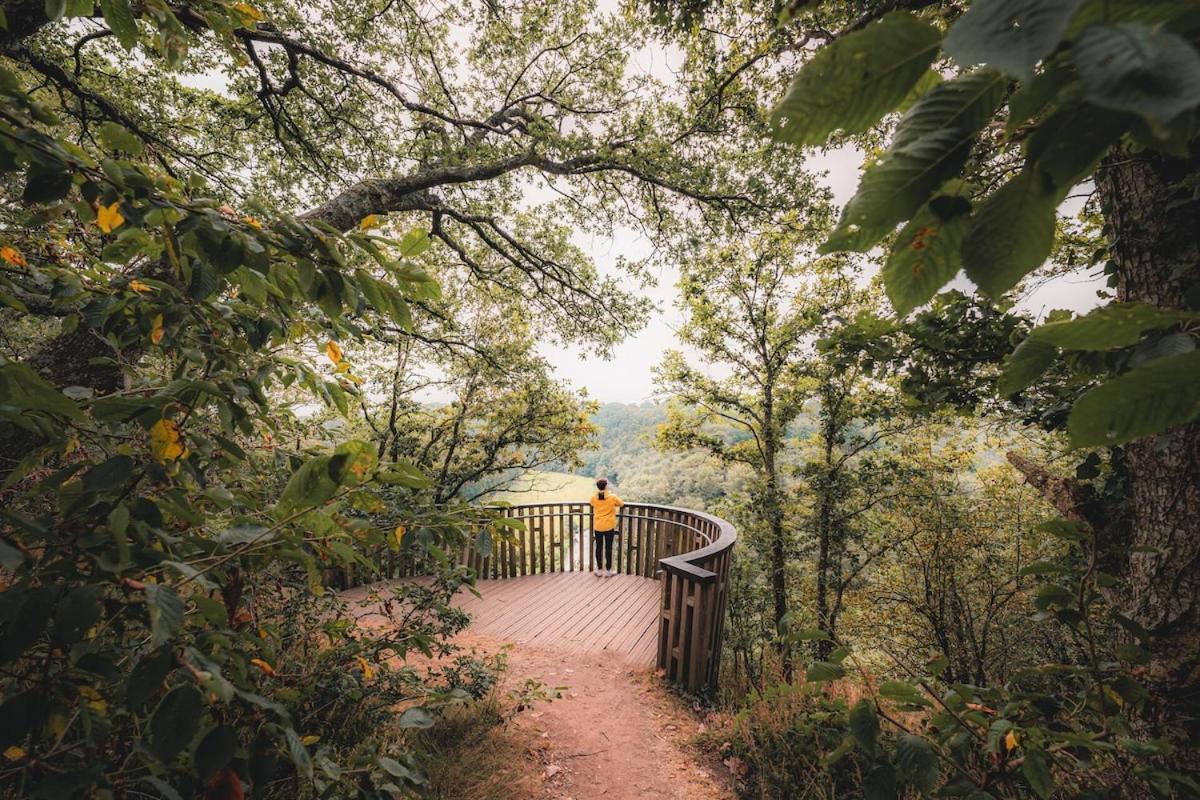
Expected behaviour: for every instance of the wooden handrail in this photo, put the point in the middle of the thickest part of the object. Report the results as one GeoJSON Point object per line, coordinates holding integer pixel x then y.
{"type": "Point", "coordinates": [689, 552]}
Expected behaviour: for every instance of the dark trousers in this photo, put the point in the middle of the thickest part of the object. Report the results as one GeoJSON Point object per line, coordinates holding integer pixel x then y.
{"type": "Point", "coordinates": [604, 545]}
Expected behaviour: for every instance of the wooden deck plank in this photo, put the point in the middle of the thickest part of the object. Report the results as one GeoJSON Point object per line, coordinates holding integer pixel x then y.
{"type": "Point", "coordinates": [580, 624]}
{"type": "Point", "coordinates": [619, 616]}
{"type": "Point", "coordinates": [569, 612]}
{"type": "Point", "coordinates": [575, 612]}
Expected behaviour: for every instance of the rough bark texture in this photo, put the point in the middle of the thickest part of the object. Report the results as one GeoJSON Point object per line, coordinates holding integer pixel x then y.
{"type": "Point", "coordinates": [774, 511]}
{"type": "Point", "coordinates": [1154, 231]}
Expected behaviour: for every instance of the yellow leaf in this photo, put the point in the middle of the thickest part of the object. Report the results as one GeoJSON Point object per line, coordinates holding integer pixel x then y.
{"type": "Point", "coordinates": [248, 11]}
{"type": "Point", "coordinates": [333, 351]}
{"type": "Point", "coordinates": [108, 218]}
{"type": "Point", "coordinates": [166, 441]}
{"type": "Point", "coordinates": [13, 256]}
{"type": "Point", "coordinates": [367, 672]}
{"type": "Point", "coordinates": [138, 286]}
{"type": "Point", "coordinates": [309, 740]}
{"type": "Point", "coordinates": [156, 332]}
{"type": "Point", "coordinates": [369, 221]}
{"type": "Point", "coordinates": [71, 446]}
{"type": "Point", "coordinates": [14, 753]}
{"type": "Point", "coordinates": [263, 666]}
{"type": "Point", "coordinates": [252, 222]}
{"type": "Point", "coordinates": [57, 723]}
{"type": "Point", "coordinates": [400, 531]}
{"type": "Point", "coordinates": [1010, 740]}
{"type": "Point", "coordinates": [357, 381]}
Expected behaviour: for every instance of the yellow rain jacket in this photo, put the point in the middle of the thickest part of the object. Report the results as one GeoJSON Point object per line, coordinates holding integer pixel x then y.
{"type": "Point", "coordinates": [604, 512]}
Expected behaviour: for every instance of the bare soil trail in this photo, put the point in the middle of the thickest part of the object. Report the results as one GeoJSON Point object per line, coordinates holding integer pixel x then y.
{"type": "Point", "coordinates": [617, 733]}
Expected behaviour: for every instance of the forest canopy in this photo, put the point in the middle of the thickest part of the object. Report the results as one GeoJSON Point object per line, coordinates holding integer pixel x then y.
{"type": "Point", "coordinates": [243, 244]}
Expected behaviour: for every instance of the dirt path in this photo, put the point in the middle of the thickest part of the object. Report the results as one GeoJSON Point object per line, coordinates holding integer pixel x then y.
{"type": "Point", "coordinates": [616, 733]}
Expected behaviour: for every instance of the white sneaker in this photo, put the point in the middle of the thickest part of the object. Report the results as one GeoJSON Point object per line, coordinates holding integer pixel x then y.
{"type": "Point", "coordinates": [599, 573]}
{"type": "Point", "coordinates": [609, 573]}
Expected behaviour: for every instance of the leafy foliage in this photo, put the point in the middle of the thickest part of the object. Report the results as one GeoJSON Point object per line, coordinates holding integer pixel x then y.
{"type": "Point", "coordinates": [1087, 74]}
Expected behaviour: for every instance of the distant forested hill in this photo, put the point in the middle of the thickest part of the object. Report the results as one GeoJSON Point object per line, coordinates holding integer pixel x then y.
{"type": "Point", "coordinates": [628, 458]}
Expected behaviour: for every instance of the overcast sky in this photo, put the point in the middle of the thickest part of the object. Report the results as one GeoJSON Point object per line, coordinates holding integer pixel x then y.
{"type": "Point", "coordinates": [628, 377]}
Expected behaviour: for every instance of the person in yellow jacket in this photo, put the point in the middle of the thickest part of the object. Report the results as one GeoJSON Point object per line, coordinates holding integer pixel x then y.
{"type": "Point", "coordinates": [604, 526]}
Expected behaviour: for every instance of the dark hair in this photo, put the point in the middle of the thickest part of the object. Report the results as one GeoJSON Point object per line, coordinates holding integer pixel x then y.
{"type": "Point", "coordinates": [602, 484]}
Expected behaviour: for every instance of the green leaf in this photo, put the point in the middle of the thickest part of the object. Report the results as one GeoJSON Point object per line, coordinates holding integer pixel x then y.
{"type": "Point", "coordinates": [1011, 234]}
{"type": "Point", "coordinates": [46, 186]}
{"type": "Point", "coordinates": [931, 145]}
{"type": "Point", "coordinates": [917, 762]}
{"type": "Point", "coordinates": [352, 463]}
{"type": "Point", "coordinates": [1034, 95]}
{"type": "Point", "coordinates": [1136, 68]}
{"type": "Point", "coordinates": [405, 474]}
{"type": "Point", "coordinates": [119, 138]}
{"type": "Point", "coordinates": [1025, 365]}
{"type": "Point", "coordinates": [10, 557]}
{"type": "Point", "coordinates": [398, 770]}
{"type": "Point", "coordinates": [483, 544]}
{"type": "Point", "coordinates": [902, 693]}
{"type": "Point", "coordinates": [1110, 327]}
{"type": "Point", "coordinates": [880, 782]}
{"type": "Point", "coordinates": [820, 671]}
{"type": "Point", "coordinates": [147, 676]}
{"type": "Point", "coordinates": [166, 612]}
{"type": "Point", "coordinates": [55, 9]}
{"type": "Point", "coordinates": [1043, 568]}
{"type": "Point", "coordinates": [851, 83]}
{"type": "Point", "coordinates": [23, 389]}
{"type": "Point", "coordinates": [927, 253]}
{"type": "Point", "coordinates": [1067, 144]}
{"type": "Point", "coordinates": [215, 750]}
{"type": "Point", "coordinates": [309, 486]}
{"type": "Point", "coordinates": [175, 722]}
{"type": "Point", "coordinates": [121, 21]}
{"type": "Point", "coordinates": [1011, 35]}
{"type": "Point", "coordinates": [416, 717]}
{"type": "Point", "coordinates": [415, 242]}
{"type": "Point", "coordinates": [76, 614]}
{"type": "Point", "coordinates": [1151, 399]}
{"type": "Point", "coordinates": [1036, 769]}
{"type": "Point", "coordinates": [864, 724]}
{"type": "Point", "coordinates": [165, 790]}
{"type": "Point", "coordinates": [299, 753]}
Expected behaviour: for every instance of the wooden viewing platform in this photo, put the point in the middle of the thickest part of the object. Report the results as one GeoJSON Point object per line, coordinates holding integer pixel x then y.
{"type": "Point", "coordinates": [665, 607]}
{"type": "Point", "coordinates": [570, 612]}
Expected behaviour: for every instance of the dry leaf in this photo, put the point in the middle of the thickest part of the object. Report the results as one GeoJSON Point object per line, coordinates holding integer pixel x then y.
{"type": "Point", "coordinates": [13, 256]}
{"type": "Point", "coordinates": [108, 218]}
{"type": "Point", "coordinates": [156, 332]}
{"type": "Point", "coordinates": [263, 667]}
{"type": "Point", "coordinates": [166, 441]}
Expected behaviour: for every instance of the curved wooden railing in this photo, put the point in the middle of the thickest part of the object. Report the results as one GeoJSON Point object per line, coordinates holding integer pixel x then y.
{"type": "Point", "coordinates": [689, 552]}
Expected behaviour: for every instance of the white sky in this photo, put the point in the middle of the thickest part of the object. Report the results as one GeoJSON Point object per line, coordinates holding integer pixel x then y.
{"type": "Point", "coordinates": [628, 377]}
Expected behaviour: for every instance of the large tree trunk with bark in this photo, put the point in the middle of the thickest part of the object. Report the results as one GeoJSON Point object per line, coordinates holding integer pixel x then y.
{"type": "Point", "coordinates": [1153, 226]}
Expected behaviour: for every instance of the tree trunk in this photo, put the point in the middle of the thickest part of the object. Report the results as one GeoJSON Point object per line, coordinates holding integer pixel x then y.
{"type": "Point", "coordinates": [774, 511]}
{"type": "Point", "coordinates": [1153, 225]}
{"type": "Point", "coordinates": [825, 554]}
